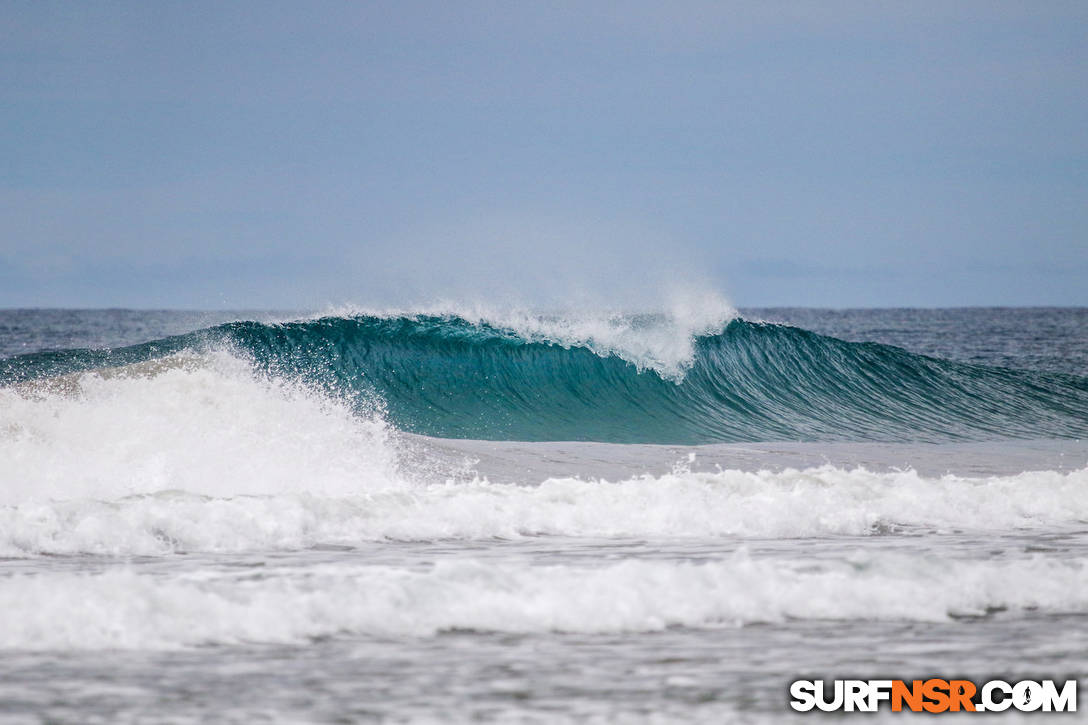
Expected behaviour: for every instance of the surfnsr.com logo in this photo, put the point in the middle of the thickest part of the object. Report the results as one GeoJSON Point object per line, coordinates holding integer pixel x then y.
{"type": "Point", "coordinates": [933, 695]}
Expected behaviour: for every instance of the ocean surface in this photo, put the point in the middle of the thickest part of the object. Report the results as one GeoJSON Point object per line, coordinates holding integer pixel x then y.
{"type": "Point", "coordinates": [468, 515]}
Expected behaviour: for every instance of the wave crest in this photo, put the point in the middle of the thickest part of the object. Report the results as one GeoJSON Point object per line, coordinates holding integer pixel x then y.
{"type": "Point", "coordinates": [451, 377]}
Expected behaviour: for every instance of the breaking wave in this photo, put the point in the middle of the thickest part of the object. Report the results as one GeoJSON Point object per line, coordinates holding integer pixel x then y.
{"type": "Point", "coordinates": [633, 379]}
{"type": "Point", "coordinates": [205, 454]}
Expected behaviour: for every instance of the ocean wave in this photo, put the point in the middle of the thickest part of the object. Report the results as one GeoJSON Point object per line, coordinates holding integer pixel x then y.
{"type": "Point", "coordinates": [200, 452]}
{"type": "Point", "coordinates": [127, 609]}
{"type": "Point", "coordinates": [633, 379]}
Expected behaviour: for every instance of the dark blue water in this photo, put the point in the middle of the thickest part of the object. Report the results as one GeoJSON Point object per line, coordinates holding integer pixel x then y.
{"type": "Point", "coordinates": [1028, 338]}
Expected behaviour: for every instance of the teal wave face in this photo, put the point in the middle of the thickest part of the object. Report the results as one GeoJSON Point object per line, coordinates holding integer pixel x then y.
{"type": "Point", "coordinates": [447, 377]}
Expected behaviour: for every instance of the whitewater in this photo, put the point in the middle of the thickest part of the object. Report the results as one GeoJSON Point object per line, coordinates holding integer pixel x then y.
{"type": "Point", "coordinates": [453, 514]}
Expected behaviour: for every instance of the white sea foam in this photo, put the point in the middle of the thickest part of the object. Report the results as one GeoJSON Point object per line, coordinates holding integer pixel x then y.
{"type": "Point", "coordinates": [663, 342]}
{"type": "Point", "coordinates": [202, 424]}
{"type": "Point", "coordinates": [127, 609]}
{"type": "Point", "coordinates": [814, 502]}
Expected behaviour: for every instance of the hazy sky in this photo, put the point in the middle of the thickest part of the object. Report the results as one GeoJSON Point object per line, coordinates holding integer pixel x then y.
{"type": "Point", "coordinates": [262, 154]}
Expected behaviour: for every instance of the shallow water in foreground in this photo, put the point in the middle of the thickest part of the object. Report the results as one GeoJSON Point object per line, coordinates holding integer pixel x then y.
{"type": "Point", "coordinates": [260, 637]}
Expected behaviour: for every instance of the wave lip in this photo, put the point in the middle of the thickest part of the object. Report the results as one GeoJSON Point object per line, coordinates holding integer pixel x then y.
{"type": "Point", "coordinates": [446, 376]}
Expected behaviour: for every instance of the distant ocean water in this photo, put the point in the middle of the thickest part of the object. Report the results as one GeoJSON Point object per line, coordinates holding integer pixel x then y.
{"type": "Point", "coordinates": [468, 515]}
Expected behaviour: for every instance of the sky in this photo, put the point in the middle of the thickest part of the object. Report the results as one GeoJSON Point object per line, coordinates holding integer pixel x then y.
{"type": "Point", "coordinates": [297, 155]}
